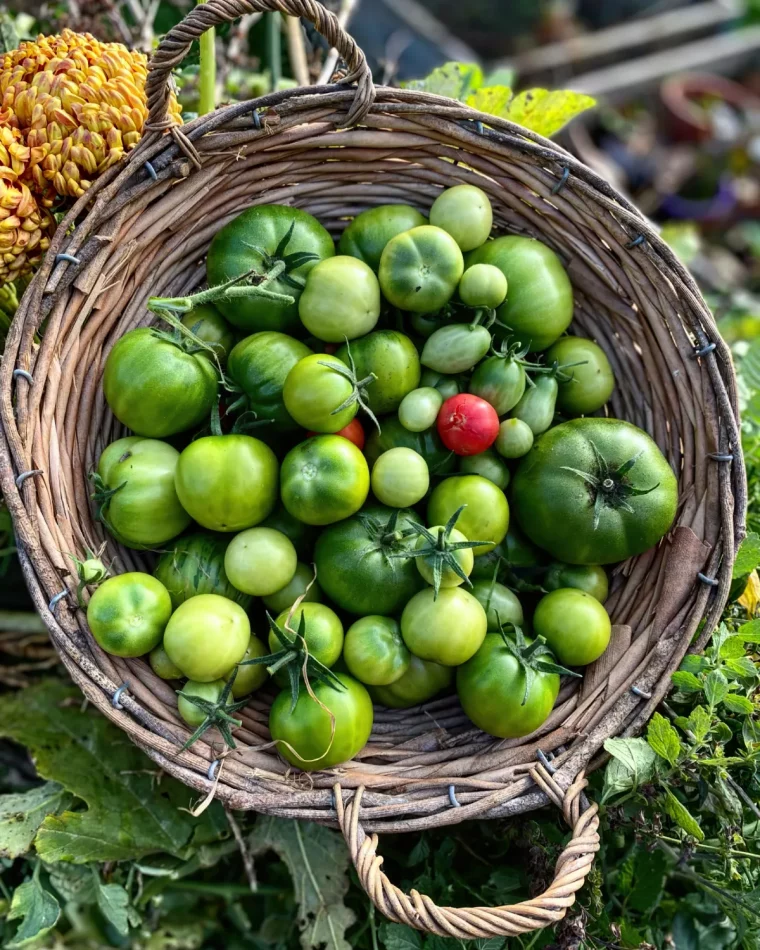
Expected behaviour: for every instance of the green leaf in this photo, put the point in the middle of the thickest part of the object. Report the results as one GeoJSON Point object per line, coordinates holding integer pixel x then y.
{"type": "Point", "coordinates": [318, 860]}
{"type": "Point", "coordinates": [541, 110]}
{"type": "Point", "coordinates": [489, 943]}
{"type": "Point", "coordinates": [455, 80]}
{"type": "Point", "coordinates": [750, 632]}
{"type": "Point", "coordinates": [632, 765]}
{"type": "Point", "coordinates": [113, 903]}
{"type": "Point", "coordinates": [743, 667]}
{"type": "Point", "coordinates": [503, 76]}
{"type": "Point", "coordinates": [21, 815]}
{"type": "Point", "coordinates": [72, 882]}
{"type": "Point", "coordinates": [682, 816]}
{"type": "Point", "coordinates": [127, 816]}
{"type": "Point", "coordinates": [716, 687]}
{"type": "Point", "coordinates": [663, 738]}
{"type": "Point", "coordinates": [8, 36]}
{"type": "Point", "coordinates": [494, 100]}
{"type": "Point", "coordinates": [694, 663]}
{"type": "Point", "coordinates": [399, 937]}
{"type": "Point", "coordinates": [699, 723]}
{"type": "Point", "coordinates": [686, 681]}
{"type": "Point", "coordinates": [37, 910]}
{"type": "Point", "coordinates": [650, 869]}
{"type": "Point", "coordinates": [732, 648]}
{"type": "Point", "coordinates": [739, 704]}
{"type": "Point", "coordinates": [748, 555]}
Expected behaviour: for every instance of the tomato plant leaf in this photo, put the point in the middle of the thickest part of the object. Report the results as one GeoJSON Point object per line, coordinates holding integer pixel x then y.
{"type": "Point", "coordinates": [22, 814]}
{"type": "Point", "coordinates": [455, 80]}
{"type": "Point", "coordinates": [318, 860]}
{"type": "Point", "coordinates": [682, 816]}
{"type": "Point", "coordinates": [541, 110]}
{"type": "Point", "coordinates": [36, 908]}
{"type": "Point", "coordinates": [716, 687]}
{"type": "Point", "coordinates": [748, 555]}
{"type": "Point", "coordinates": [113, 903]}
{"type": "Point", "coordinates": [632, 765]}
{"type": "Point", "coordinates": [699, 723]}
{"type": "Point", "coordinates": [400, 937]}
{"type": "Point", "coordinates": [494, 100]}
{"type": "Point", "coordinates": [739, 704]}
{"type": "Point", "coordinates": [663, 738]}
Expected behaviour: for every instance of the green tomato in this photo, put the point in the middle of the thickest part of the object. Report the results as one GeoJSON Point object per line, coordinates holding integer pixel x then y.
{"type": "Point", "coordinates": [393, 359]}
{"type": "Point", "coordinates": [324, 479]}
{"type": "Point", "coordinates": [127, 614]}
{"type": "Point", "coordinates": [154, 387]}
{"type": "Point", "coordinates": [491, 688]}
{"type": "Point", "coordinates": [425, 324]}
{"type": "Point", "coordinates": [206, 636]}
{"type": "Point", "coordinates": [359, 564]}
{"type": "Point", "coordinates": [488, 465]}
{"type": "Point", "coordinates": [260, 561]}
{"type": "Point", "coordinates": [420, 269]}
{"type": "Point", "coordinates": [486, 517]}
{"type": "Point", "coordinates": [582, 523]}
{"type": "Point", "coordinates": [304, 536]}
{"type": "Point", "coordinates": [249, 678]}
{"type": "Point", "coordinates": [536, 407]}
{"type": "Point", "coordinates": [447, 386]}
{"type": "Point", "coordinates": [161, 665]}
{"type": "Point", "coordinates": [427, 444]}
{"type": "Point", "coordinates": [259, 239]}
{"type": "Point", "coordinates": [521, 553]}
{"type": "Point", "coordinates": [587, 577]}
{"type": "Point", "coordinates": [375, 652]}
{"type": "Point", "coordinates": [323, 631]}
{"type": "Point", "coordinates": [514, 440]}
{"type": "Point", "coordinates": [456, 347]}
{"type": "Point", "coordinates": [465, 212]}
{"type": "Point", "coordinates": [209, 325]}
{"type": "Point", "coordinates": [341, 299]}
{"type": "Point", "coordinates": [447, 629]}
{"type": "Point", "coordinates": [144, 510]}
{"type": "Point", "coordinates": [483, 285]}
{"type": "Point", "coordinates": [419, 409]}
{"type": "Point", "coordinates": [500, 380]}
{"type": "Point", "coordinates": [324, 733]}
{"type": "Point", "coordinates": [590, 384]}
{"type": "Point", "coordinates": [192, 714]}
{"type": "Point", "coordinates": [421, 682]}
{"type": "Point", "coordinates": [316, 392]}
{"type": "Point", "coordinates": [259, 365]}
{"type": "Point", "coordinates": [539, 306]}
{"type": "Point", "coordinates": [463, 557]}
{"type": "Point", "coordinates": [576, 626]}
{"type": "Point", "coordinates": [227, 482]}
{"type": "Point", "coordinates": [400, 478]}
{"type": "Point", "coordinates": [297, 587]}
{"type": "Point", "coordinates": [194, 564]}
{"type": "Point", "coordinates": [369, 232]}
{"type": "Point", "coordinates": [499, 603]}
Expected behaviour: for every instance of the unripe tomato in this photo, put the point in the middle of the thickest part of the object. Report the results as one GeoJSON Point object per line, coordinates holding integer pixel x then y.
{"type": "Point", "coordinates": [375, 652]}
{"type": "Point", "coordinates": [298, 586]}
{"type": "Point", "coordinates": [127, 613]}
{"type": "Point", "coordinates": [419, 408]}
{"type": "Point", "coordinates": [206, 636]}
{"type": "Point", "coordinates": [465, 212]}
{"type": "Point", "coordinates": [260, 561]}
{"type": "Point", "coordinates": [400, 478]}
{"type": "Point", "coordinates": [421, 682]}
{"type": "Point", "coordinates": [537, 405]}
{"type": "Point", "coordinates": [161, 664]}
{"type": "Point", "coordinates": [369, 232]}
{"type": "Point", "coordinates": [315, 390]}
{"type": "Point", "coordinates": [467, 424]}
{"type": "Point", "coordinates": [207, 323]}
{"type": "Point", "coordinates": [456, 347]}
{"type": "Point", "coordinates": [575, 624]}
{"type": "Point", "coordinates": [486, 513]}
{"type": "Point", "coordinates": [483, 285]}
{"type": "Point", "coordinates": [420, 269]}
{"type": "Point", "coordinates": [489, 465]}
{"type": "Point", "coordinates": [447, 629]}
{"type": "Point", "coordinates": [249, 678]}
{"type": "Point", "coordinates": [589, 577]}
{"type": "Point", "coordinates": [514, 439]}
{"type": "Point", "coordinates": [463, 557]}
{"type": "Point", "coordinates": [192, 714]}
{"type": "Point", "coordinates": [590, 384]}
{"type": "Point", "coordinates": [341, 299]}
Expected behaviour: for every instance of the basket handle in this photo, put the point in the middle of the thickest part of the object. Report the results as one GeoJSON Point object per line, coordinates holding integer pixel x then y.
{"type": "Point", "coordinates": [177, 42]}
{"type": "Point", "coordinates": [418, 911]}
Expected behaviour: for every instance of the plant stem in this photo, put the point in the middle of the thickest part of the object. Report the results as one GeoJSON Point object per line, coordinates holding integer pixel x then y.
{"type": "Point", "coordinates": [274, 51]}
{"type": "Point", "coordinates": [207, 76]}
{"type": "Point", "coordinates": [715, 849]}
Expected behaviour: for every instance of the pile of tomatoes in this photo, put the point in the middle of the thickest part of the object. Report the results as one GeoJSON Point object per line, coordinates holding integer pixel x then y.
{"type": "Point", "coordinates": [326, 451]}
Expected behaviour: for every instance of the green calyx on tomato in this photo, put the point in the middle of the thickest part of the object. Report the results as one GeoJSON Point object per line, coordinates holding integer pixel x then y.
{"type": "Point", "coordinates": [207, 324]}
{"type": "Point", "coordinates": [207, 705]}
{"type": "Point", "coordinates": [323, 394]}
{"type": "Point", "coordinates": [388, 362]}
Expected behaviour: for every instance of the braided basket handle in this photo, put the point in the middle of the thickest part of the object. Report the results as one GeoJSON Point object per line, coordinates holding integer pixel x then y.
{"type": "Point", "coordinates": [177, 42]}
{"type": "Point", "coordinates": [418, 911]}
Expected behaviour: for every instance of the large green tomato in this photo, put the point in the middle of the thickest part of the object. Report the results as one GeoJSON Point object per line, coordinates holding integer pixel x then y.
{"type": "Point", "coordinates": [421, 682]}
{"type": "Point", "coordinates": [465, 212]}
{"type": "Point", "coordinates": [320, 735]}
{"type": "Point", "coordinates": [369, 232]}
{"type": "Point", "coordinates": [127, 614]}
{"type": "Point", "coordinates": [375, 652]}
{"type": "Point", "coordinates": [590, 384]}
{"type": "Point", "coordinates": [447, 629]}
{"type": "Point", "coordinates": [227, 482]}
{"type": "Point", "coordinates": [539, 305]}
{"type": "Point", "coordinates": [324, 479]}
{"type": "Point", "coordinates": [499, 603]}
{"type": "Point", "coordinates": [393, 359]}
{"type": "Point", "coordinates": [155, 387]}
{"type": "Point", "coordinates": [206, 636]}
{"type": "Point", "coordinates": [194, 564]}
{"type": "Point", "coordinates": [302, 584]}
{"type": "Point", "coordinates": [341, 299]}
{"type": "Point", "coordinates": [491, 688]}
{"type": "Point", "coordinates": [420, 269]}
{"type": "Point", "coordinates": [144, 510]}
{"type": "Point", "coordinates": [595, 491]}
{"type": "Point", "coordinates": [427, 444]}
{"type": "Point", "coordinates": [316, 392]}
{"type": "Point", "coordinates": [260, 561]}
{"type": "Point", "coordinates": [260, 239]}
{"type": "Point", "coordinates": [574, 624]}
{"type": "Point", "coordinates": [323, 631]}
{"type": "Point", "coordinates": [360, 564]}
{"type": "Point", "coordinates": [259, 365]}
{"type": "Point", "coordinates": [589, 577]}
{"type": "Point", "coordinates": [486, 517]}
{"type": "Point", "coordinates": [209, 325]}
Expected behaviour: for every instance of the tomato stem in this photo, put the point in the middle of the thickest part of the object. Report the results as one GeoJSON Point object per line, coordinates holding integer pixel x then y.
{"type": "Point", "coordinates": [249, 284]}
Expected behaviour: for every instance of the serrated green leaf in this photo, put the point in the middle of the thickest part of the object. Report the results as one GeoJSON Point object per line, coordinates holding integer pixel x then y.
{"type": "Point", "coordinates": [632, 765]}
{"type": "Point", "coordinates": [716, 687]}
{"type": "Point", "coordinates": [21, 815]}
{"type": "Point", "coordinates": [732, 648]}
{"type": "Point", "coordinates": [37, 910]}
{"type": "Point", "coordinates": [743, 667]}
{"type": "Point", "coordinates": [682, 816]}
{"type": "Point", "coordinates": [694, 663]}
{"type": "Point", "coordinates": [750, 632]}
{"type": "Point", "coordinates": [113, 903]}
{"type": "Point", "coordinates": [546, 111]}
{"type": "Point", "coordinates": [739, 704]}
{"type": "Point", "coordinates": [455, 80]}
{"type": "Point", "coordinates": [699, 723]}
{"type": "Point", "coordinates": [663, 738]}
{"type": "Point", "coordinates": [399, 937]}
{"type": "Point", "coordinates": [748, 555]}
{"type": "Point", "coordinates": [686, 681]}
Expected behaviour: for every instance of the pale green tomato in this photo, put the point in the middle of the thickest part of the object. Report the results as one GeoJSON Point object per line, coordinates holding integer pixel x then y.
{"type": "Point", "coordinates": [341, 299]}
{"type": "Point", "coordinates": [375, 652]}
{"type": "Point", "coordinates": [464, 558]}
{"type": "Point", "coordinates": [249, 678]}
{"type": "Point", "coordinates": [483, 285]}
{"type": "Point", "coordinates": [419, 409]}
{"type": "Point", "coordinates": [465, 212]}
{"type": "Point", "coordinates": [499, 603]}
{"type": "Point", "coordinates": [260, 561]}
{"type": "Point", "coordinates": [206, 636]}
{"type": "Point", "coordinates": [400, 478]}
{"type": "Point", "coordinates": [489, 465]}
{"type": "Point", "coordinates": [514, 440]}
{"type": "Point", "coordinates": [285, 597]}
{"type": "Point", "coordinates": [447, 629]}
{"type": "Point", "coordinates": [455, 348]}
{"type": "Point", "coordinates": [211, 692]}
{"type": "Point", "coordinates": [161, 664]}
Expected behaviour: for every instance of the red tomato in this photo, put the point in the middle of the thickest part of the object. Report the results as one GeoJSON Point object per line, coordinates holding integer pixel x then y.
{"type": "Point", "coordinates": [467, 424]}
{"type": "Point", "coordinates": [353, 432]}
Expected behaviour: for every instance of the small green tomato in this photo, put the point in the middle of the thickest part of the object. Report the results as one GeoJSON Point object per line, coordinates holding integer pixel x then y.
{"type": "Point", "coordinates": [465, 212]}
{"type": "Point", "coordinates": [419, 409]}
{"type": "Point", "coordinates": [400, 478]}
{"type": "Point", "coordinates": [514, 440]}
{"type": "Point", "coordinates": [298, 586]}
{"type": "Point", "coordinates": [260, 561]}
{"type": "Point", "coordinates": [483, 285]}
{"type": "Point", "coordinates": [249, 678]}
{"type": "Point", "coordinates": [161, 664]}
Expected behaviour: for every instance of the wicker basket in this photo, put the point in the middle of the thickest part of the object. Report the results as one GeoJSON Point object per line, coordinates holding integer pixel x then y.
{"type": "Point", "coordinates": [143, 228]}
